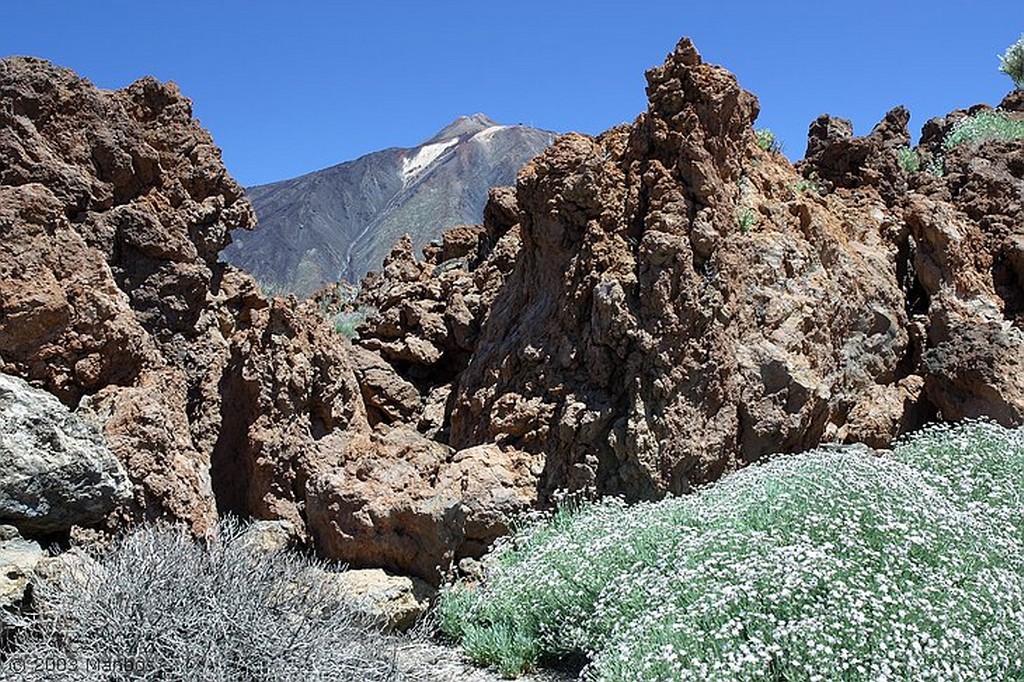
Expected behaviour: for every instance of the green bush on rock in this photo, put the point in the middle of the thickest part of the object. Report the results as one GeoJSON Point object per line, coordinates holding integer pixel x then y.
{"type": "Point", "coordinates": [833, 564]}
{"type": "Point", "coordinates": [767, 140]}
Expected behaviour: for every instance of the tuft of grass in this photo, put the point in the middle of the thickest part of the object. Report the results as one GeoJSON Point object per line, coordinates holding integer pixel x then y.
{"type": "Point", "coordinates": [1011, 62]}
{"type": "Point", "coordinates": [984, 126]}
{"type": "Point", "coordinates": [767, 140]}
{"type": "Point", "coordinates": [833, 564]}
{"type": "Point", "coordinates": [166, 607]}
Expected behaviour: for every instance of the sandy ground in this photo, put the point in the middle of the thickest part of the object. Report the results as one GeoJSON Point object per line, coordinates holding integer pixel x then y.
{"type": "Point", "coordinates": [425, 661]}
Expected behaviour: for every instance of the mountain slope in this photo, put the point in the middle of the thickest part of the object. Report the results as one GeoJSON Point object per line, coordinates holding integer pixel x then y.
{"type": "Point", "coordinates": [340, 222]}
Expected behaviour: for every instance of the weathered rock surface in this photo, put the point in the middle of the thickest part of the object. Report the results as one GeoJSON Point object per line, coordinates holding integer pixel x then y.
{"type": "Point", "coordinates": [679, 307]}
{"type": "Point", "coordinates": [18, 560]}
{"type": "Point", "coordinates": [835, 157]}
{"type": "Point", "coordinates": [113, 209]}
{"type": "Point", "coordinates": [113, 206]}
{"type": "Point", "coordinates": [410, 504]}
{"type": "Point", "coordinates": [391, 602]}
{"type": "Point", "coordinates": [269, 536]}
{"type": "Point", "coordinates": [425, 316]}
{"type": "Point", "coordinates": [55, 470]}
{"type": "Point", "coordinates": [966, 237]}
{"type": "Point", "coordinates": [677, 302]}
{"type": "Point", "coordinates": [646, 310]}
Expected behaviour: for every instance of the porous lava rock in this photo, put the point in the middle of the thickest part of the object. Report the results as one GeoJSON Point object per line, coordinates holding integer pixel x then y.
{"type": "Point", "coordinates": [114, 207]}
{"type": "Point", "coordinates": [646, 310]}
{"type": "Point", "coordinates": [665, 302]}
{"type": "Point", "coordinates": [404, 502]}
{"type": "Point", "coordinates": [966, 244]}
{"type": "Point", "coordinates": [674, 301]}
{"type": "Point", "coordinates": [681, 305]}
{"type": "Point", "coordinates": [424, 316]}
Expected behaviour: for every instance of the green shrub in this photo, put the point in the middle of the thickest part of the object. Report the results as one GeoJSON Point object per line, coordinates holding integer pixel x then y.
{"type": "Point", "coordinates": [746, 219]}
{"type": "Point", "coordinates": [347, 323]}
{"type": "Point", "coordinates": [909, 161]}
{"type": "Point", "coordinates": [984, 126]}
{"type": "Point", "coordinates": [936, 165]}
{"type": "Point", "coordinates": [767, 140]}
{"type": "Point", "coordinates": [165, 607]}
{"type": "Point", "coordinates": [833, 564]}
{"type": "Point", "coordinates": [1011, 62]}
{"type": "Point", "coordinates": [807, 186]}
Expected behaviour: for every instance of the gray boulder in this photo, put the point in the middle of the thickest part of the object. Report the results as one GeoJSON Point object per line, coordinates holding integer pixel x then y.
{"type": "Point", "coordinates": [55, 469]}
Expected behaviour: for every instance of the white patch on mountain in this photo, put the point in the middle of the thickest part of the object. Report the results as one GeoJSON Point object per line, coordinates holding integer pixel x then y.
{"type": "Point", "coordinates": [425, 156]}
{"type": "Point", "coordinates": [487, 133]}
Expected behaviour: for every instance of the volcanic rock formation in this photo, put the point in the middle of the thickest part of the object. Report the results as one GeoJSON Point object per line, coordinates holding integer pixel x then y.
{"type": "Point", "coordinates": [678, 301]}
{"type": "Point", "coordinates": [113, 209]}
{"type": "Point", "coordinates": [645, 311]}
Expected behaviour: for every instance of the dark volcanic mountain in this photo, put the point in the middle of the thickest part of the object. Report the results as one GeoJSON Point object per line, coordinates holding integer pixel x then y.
{"type": "Point", "coordinates": [340, 222]}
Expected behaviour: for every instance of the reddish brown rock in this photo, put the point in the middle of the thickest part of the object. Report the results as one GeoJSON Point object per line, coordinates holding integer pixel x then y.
{"type": "Point", "coordinates": [838, 159]}
{"type": "Point", "coordinates": [412, 505]}
{"type": "Point", "coordinates": [683, 303]}
{"type": "Point", "coordinates": [463, 241]}
{"type": "Point", "coordinates": [113, 209]}
{"type": "Point", "coordinates": [680, 306]}
{"type": "Point", "coordinates": [424, 317]}
{"type": "Point", "coordinates": [286, 395]}
{"type": "Point", "coordinates": [388, 397]}
{"type": "Point", "coordinates": [966, 229]}
{"type": "Point", "coordinates": [646, 310]}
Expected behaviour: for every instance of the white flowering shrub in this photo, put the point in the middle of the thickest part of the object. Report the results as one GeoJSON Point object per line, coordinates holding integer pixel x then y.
{"type": "Point", "coordinates": [829, 565]}
{"type": "Point", "coordinates": [983, 126]}
{"type": "Point", "coordinates": [1011, 62]}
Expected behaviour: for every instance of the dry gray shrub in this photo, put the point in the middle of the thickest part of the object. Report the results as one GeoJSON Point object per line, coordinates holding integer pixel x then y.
{"type": "Point", "coordinates": [167, 608]}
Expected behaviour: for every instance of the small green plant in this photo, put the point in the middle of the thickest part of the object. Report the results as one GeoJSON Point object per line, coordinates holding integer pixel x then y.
{"type": "Point", "coordinates": [936, 165]}
{"type": "Point", "coordinates": [767, 140]}
{"type": "Point", "coordinates": [746, 219]}
{"type": "Point", "coordinates": [347, 323]}
{"type": "Point", "coordinates": [983, 126]}
{"type": "Point", "coordinates": [1011, 62]}
{"type": "Point", "coordinates": [909, 161]}
{"type": "Point", "coordinates": [805, 186]}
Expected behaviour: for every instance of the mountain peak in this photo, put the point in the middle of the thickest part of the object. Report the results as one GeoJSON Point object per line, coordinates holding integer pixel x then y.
{"type": "Point", "coordinates": [463, 125]}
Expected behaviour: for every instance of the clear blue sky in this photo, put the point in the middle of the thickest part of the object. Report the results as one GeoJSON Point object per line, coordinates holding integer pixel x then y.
{"type": "Point", "coordinates": [290, 87]}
